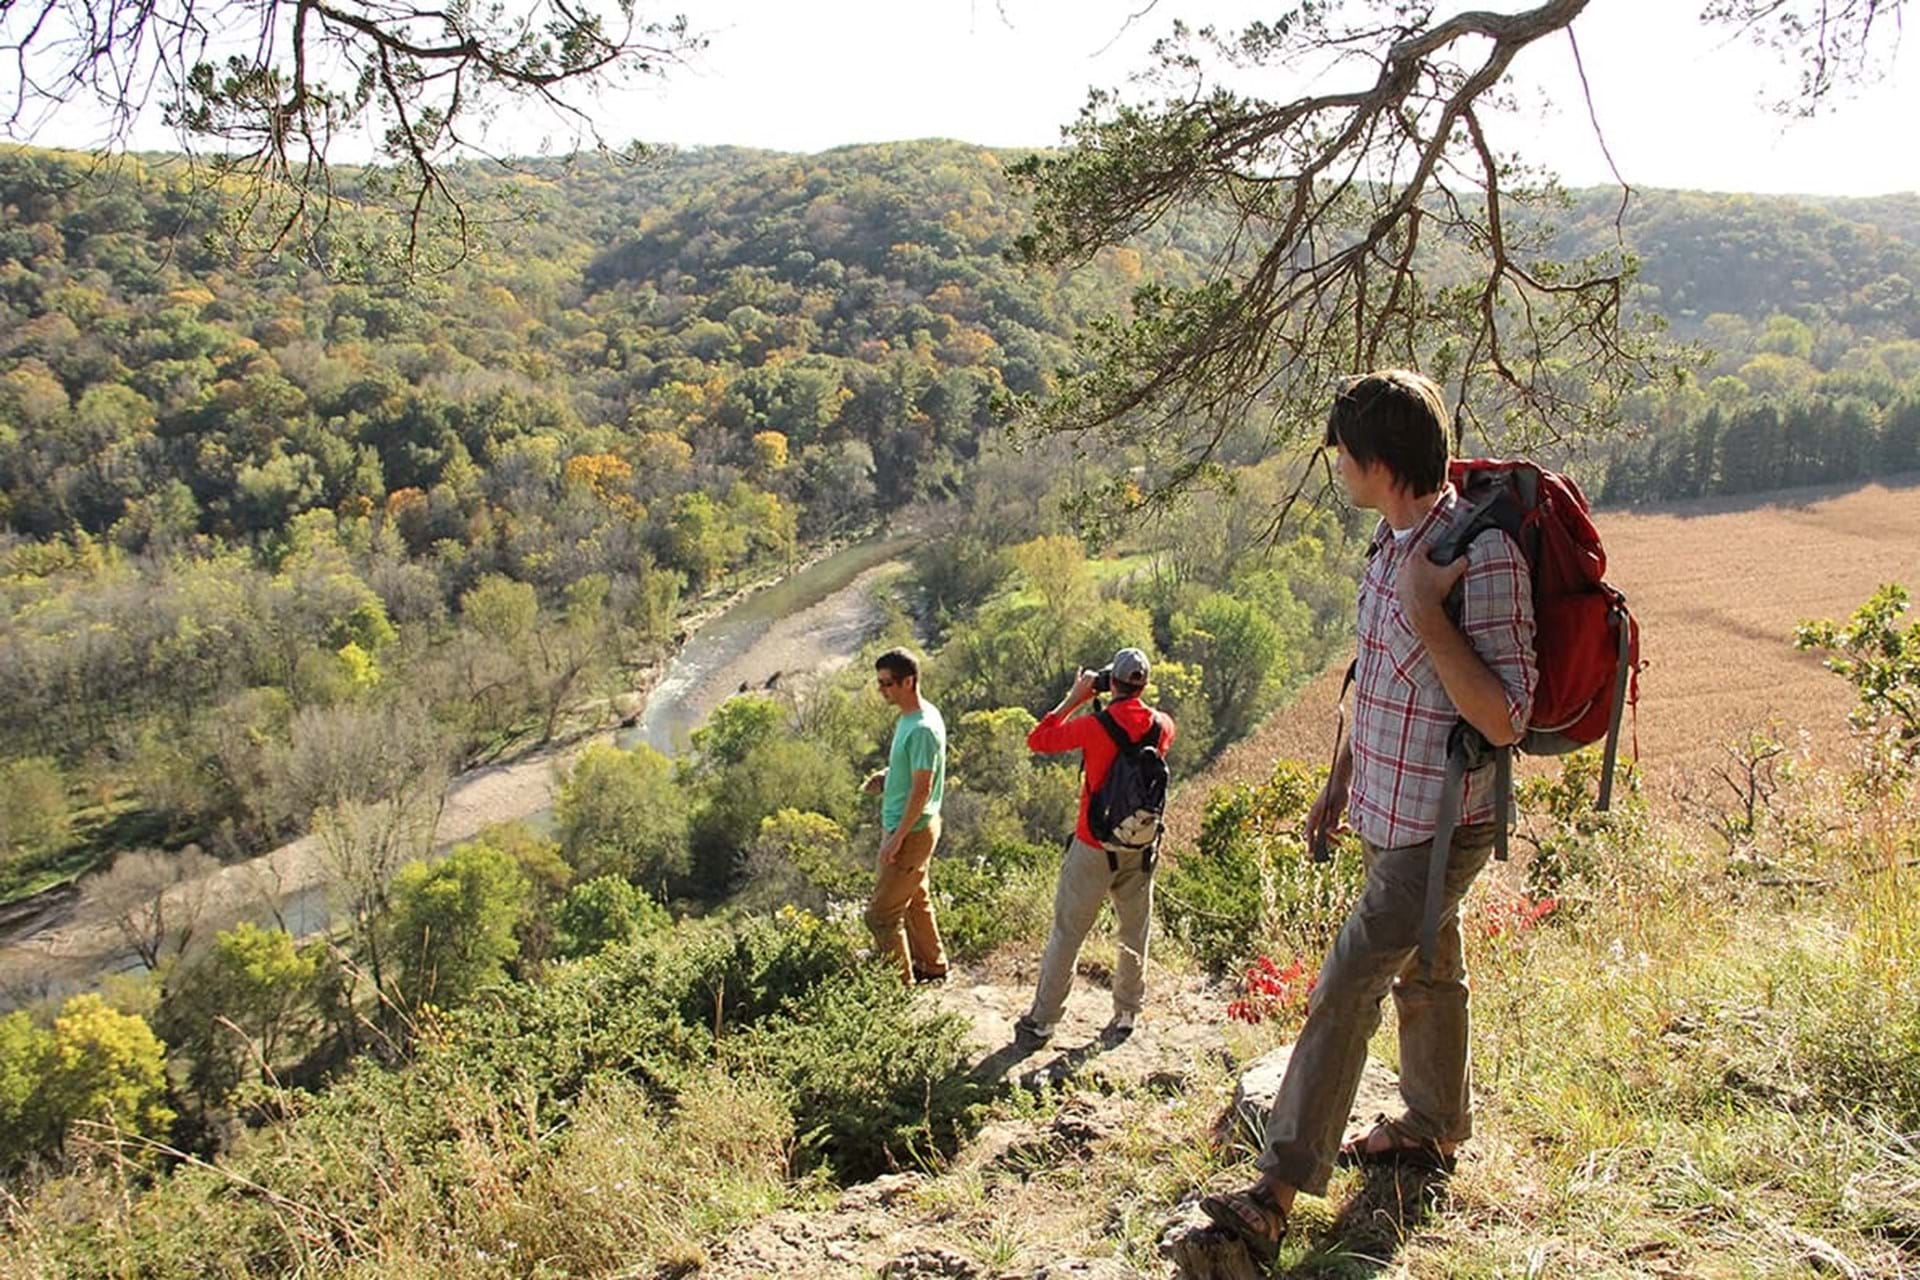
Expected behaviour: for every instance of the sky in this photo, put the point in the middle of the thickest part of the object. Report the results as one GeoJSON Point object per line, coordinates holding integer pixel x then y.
{"type": "Point", "coordinates": [1679, 105]}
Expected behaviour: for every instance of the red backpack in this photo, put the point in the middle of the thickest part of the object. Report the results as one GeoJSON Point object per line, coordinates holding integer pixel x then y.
{"type": "Point", "coordinates": [1586, 644]}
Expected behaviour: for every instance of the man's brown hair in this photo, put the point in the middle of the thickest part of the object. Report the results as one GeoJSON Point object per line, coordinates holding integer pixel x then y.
{"type": "Point", "coordinates": [1395, 416]}
{"type": "Point", "coordinates": [898, 663]}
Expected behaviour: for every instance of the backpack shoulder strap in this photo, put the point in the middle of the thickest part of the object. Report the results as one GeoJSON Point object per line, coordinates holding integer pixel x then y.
{"type": "Point", "coordinates": [1151, 738]}
{"type": "Point", "coordinates": [1114, 730]}
{"type": "Point", "coordinates": [1127, 746]}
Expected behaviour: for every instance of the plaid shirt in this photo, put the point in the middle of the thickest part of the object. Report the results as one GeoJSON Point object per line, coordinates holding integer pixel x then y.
{"type": "Point", "coordinates": [1402, 714]}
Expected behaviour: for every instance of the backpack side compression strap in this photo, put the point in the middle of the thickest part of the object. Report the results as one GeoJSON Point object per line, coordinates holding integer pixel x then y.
{"type": "Point", "coordinates": [1442, 847]}
{"type": "Point", "coordinates": [1622, 673]}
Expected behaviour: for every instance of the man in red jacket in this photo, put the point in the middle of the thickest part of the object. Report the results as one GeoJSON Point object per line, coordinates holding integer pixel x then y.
{"type": "Point", "coordinates": [1091, 872]}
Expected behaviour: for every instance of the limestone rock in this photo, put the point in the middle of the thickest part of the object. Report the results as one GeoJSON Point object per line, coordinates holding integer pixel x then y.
{"type": "Point", "coordinates": [1079, 1125]}
{"type": "Point", "coordinates": [1259, 1084]}
{"type": "Point", "coordinates": [880, 1192]}
{"type": "Point", "coordinates": [930, 1264]}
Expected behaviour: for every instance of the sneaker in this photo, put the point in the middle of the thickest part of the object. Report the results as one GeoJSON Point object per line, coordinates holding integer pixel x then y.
{"type": "Point", "coordinates": [1028, 1034]}
{"type": "Point", "coordinates": [1119, 1029]}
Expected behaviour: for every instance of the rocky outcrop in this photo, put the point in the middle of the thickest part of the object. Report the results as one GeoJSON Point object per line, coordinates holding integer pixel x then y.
{"type": "Point", "coordinates": [1246, 1119]}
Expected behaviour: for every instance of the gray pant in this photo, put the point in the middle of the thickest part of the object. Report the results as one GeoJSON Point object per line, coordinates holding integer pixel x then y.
{"type": "Point", "coordinates": [1377, 951]}
{"type": "Point", "coordinates": [1086, 880]}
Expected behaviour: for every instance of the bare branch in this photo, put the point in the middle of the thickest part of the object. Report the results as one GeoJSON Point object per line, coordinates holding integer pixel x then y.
{"type": "Point", "coordinates": [258, 91]}
{"type": "Point", "coordinates": [1336, 200]}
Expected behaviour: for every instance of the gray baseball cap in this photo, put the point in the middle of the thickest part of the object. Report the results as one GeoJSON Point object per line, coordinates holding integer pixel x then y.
{"type": "Point", "coordinates": [1130, 666]}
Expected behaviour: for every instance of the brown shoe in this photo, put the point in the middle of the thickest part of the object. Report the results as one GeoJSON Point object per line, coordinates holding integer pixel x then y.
{"type": "Point", "coordinates": [1256, 1221]}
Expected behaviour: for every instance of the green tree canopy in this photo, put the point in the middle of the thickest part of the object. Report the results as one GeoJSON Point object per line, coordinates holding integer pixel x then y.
{"type": "Point", "coordinates": [620, 813]}
{"type": "Point", "coordinates": [452, 923]}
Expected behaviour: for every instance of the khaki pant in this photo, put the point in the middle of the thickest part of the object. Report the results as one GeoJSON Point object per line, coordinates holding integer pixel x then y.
{"type": "Point", "coordinates": [900, 914]}
{"type": "Point", "coordinates": [1086, 880]}
{"type": "Point", "coordinates": [1377, 951]}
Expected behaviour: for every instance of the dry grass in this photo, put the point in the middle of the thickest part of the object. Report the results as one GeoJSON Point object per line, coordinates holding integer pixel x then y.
{"type": "Point", "coordinates": [1718, 586]}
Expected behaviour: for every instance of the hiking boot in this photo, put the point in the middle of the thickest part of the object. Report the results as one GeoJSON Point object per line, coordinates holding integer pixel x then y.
{"type": "Point", "coordinates": [1030, 1035]}
{"type": "Point", "coordinates": [1116, 1031]}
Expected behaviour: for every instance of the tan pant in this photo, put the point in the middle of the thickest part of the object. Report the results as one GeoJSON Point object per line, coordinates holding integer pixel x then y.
{"type": "Point", "coordinates": [1086, 880]}
{"type": "Point", "coordinates": [1377, 951]}
{"type": "Point", "coordinates": [900, 913]}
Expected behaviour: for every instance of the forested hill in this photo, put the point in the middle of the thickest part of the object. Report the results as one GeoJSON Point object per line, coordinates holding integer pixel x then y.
{"type": "Point", "coordinates": [1852, 263]}
{"type": "Point", "coordinates": [856, 302]}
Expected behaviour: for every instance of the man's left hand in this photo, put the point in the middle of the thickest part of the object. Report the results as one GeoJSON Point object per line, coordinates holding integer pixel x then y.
{"type": "Point", "coordinates": [1422, 586]}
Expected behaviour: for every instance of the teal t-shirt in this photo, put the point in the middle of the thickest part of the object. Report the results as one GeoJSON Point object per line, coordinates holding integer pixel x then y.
{"type": "Point", "coordinates": [919, 742]}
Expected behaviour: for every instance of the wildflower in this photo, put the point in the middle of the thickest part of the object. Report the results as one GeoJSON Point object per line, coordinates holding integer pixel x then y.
{"type": "Point", "coordinates": [1271, 990]}
{"type": "Point", "coordinates": [1515, 916]}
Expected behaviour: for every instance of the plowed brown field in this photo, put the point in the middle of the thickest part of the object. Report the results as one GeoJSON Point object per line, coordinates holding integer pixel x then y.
{"type": "Point", "coordinates": [1718, 586]}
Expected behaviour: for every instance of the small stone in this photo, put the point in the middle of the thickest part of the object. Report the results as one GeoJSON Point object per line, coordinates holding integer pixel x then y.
{"type": "Point", "coordinates": [1078, 1125]}
{"type": "Point", "coordinates": [929, 1264]}
{"type": "Point", "coordinates": [1087, 1269]}
{"type": "Point", "coordinates": [1167, 1083]}
{"type": "Point", "coordinates": [881, 1191]}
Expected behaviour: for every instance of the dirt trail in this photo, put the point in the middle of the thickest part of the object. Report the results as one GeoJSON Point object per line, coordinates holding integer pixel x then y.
{"type": "Point", "coordinates": [1021, 1200]}
{"type": "Point", "coordinates": [901, 1226]}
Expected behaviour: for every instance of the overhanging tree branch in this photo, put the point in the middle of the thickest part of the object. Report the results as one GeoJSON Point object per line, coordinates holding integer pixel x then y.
{"type": "Point", "coordinates": [1365, 223]}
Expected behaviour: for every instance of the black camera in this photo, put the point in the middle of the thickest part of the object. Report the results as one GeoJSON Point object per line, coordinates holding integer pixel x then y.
{"type": "Point", "coordinates": [1103, 679]}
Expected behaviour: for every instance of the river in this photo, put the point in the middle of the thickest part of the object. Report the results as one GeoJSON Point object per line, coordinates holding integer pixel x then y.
{"type": "Point", "coordinates": [808, 623]}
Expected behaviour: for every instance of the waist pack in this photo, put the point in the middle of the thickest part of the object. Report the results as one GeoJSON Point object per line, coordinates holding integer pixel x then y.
{"type": "Point", "coordinates": [1128, 810]}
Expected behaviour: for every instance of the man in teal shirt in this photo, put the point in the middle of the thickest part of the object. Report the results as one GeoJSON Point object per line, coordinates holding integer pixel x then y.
{"type": "Point", "coordinates": [910, 787]}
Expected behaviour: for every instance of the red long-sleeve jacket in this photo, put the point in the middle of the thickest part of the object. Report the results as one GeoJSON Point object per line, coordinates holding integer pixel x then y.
{"type": "Point", "coordinates": [1083, 732]}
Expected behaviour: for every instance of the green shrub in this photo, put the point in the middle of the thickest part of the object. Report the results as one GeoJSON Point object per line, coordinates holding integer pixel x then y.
{"type": "Point", "coordinates": [621, 813]}
{"type": "Point", "coordinates": [603, 912]}
{"type": "Point", "coordinates": [96, 1065]}
{"type": "Point", "coordinates": [1577, 847]}
{"type": "Point", "coordinates": [1249, 886]}
{"type": "Point", "coordinates": [782, 773]}
{"type": "Point", "coordinates": [1882, 663]}
{"type": "Point", "coordinates": [802, 860]}
{"type": "Point", "coordinates": [1001, 894]}
{"type": "Point", "coordinates": [453, 922]}
{"type": "Point", "coordinates": [876, 1083]}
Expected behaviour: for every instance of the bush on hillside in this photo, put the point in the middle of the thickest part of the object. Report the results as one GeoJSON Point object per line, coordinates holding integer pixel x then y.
{"type": "Point", "coordinates": [875, 1084]}
{"type": "Point", "coordinates": [670, 1076]}
{"type": "Point", "coordinates": [1249, 887]}
{"type": "Point", "coordinates": [998, 894]}
{"type": "Point", "coordinates": [1577, 847]}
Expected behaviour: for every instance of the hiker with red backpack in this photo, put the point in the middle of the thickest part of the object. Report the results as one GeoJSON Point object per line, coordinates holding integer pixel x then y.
{"type": "Point", "coordinates": [1441, 646]}
{"type": "Point", "coordinates": [1123, 794]}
